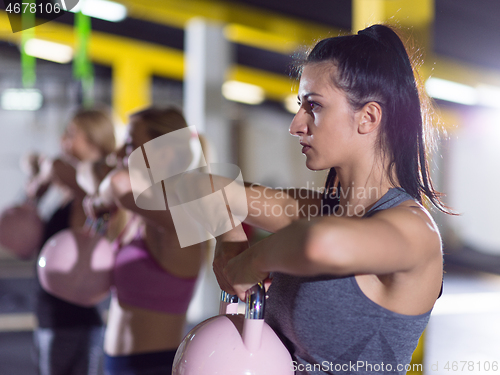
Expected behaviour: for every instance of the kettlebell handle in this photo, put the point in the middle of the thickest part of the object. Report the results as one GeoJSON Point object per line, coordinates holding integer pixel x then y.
{"type": "Point", "coordinates": [254, 317]}
{"type": "Point", "coordinates": [255, 302]}
{"type": "Point", "coordinates": [254, 314]}
{"type": "Point", "coordinates": [228, 298]}
{"type": "Point", "coordinates": [228, 303]}
{"type": "Point", "coordinates": [98, 225]}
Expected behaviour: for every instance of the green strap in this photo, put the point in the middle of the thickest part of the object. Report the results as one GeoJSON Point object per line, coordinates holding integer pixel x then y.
{"type": "Point", "coordinates": [82, 66]}
{"type": "Point", "coordinates": [28, 63]}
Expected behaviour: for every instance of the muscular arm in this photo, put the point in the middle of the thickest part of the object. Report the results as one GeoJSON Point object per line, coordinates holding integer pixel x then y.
{"type": "Point", "coordinates": [395, 240]}
{"type": "Point", "coordinates": [273, 209]}
{"type": "Point", "coordinates": [228, 246]}
{"type": "Point", "coordinates": [269, 209]}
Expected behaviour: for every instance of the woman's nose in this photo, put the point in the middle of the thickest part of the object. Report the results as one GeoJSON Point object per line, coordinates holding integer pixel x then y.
{"type": "Point", "coordinates": [298, 125]}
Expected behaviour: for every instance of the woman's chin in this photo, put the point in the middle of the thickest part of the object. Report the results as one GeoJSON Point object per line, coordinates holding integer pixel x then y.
{"type": "Point", "coordinates": [312, 166]}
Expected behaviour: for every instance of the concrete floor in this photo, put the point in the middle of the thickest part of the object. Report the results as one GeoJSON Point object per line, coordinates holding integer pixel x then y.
{"type": "Point", "coordinates": [17, 353]}
{"type": "Point", "coordinates": [463, 335]}
{"type": "Point", "coordinates": [17, 321]}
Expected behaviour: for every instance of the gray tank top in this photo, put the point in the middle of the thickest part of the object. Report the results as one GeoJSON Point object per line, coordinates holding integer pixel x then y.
{"type": "Point", "coordinates": [331, 327]}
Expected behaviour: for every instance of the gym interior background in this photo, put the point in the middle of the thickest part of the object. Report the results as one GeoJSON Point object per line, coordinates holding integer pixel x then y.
{"type": "Point", "coordinates": [228, 64]}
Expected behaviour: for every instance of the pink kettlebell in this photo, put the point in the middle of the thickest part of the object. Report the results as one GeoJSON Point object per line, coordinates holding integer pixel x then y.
{"type": "Point", "coordinates": [76, 266]}
{"type": "Point", "coordinates": [21, 230]}
{"type": "Point", "coordinates": [234, 344]}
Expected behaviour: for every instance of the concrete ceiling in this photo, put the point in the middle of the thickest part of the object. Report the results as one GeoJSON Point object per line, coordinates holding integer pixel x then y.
{"type": "Point", "coordinates": [469, 31]}
{"type": "Point", "coordinates": [466, 30]}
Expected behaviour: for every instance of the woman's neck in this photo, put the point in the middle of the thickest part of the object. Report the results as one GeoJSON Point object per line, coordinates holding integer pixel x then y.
{"type": "Point", "coordinates": [361, 188]}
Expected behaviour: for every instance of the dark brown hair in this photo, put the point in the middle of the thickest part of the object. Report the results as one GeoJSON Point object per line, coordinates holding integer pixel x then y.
{"type": "Point", "coordinates": [160, 121]}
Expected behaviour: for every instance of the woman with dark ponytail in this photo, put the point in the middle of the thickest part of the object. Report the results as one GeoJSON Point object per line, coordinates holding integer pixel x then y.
{"type": "Point", "coordinates": [353, 272]}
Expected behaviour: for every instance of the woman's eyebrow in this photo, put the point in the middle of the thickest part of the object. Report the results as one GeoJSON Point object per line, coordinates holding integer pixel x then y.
{"type": "Point", "coordinates": [307, 95]}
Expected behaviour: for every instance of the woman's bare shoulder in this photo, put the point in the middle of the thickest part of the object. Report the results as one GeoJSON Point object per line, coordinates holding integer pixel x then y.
{"type": "Point", "coordinates": [415, 222]}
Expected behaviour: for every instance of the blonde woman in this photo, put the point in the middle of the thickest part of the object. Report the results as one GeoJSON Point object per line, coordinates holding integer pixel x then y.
{"type": "Point", "coordinates": [69, 337]}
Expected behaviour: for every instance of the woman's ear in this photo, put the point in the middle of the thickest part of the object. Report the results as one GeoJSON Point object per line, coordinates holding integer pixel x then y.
{"type": "Point", "coordinates": [370, 118]}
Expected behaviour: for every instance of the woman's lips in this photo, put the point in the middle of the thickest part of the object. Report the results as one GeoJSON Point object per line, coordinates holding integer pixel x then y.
{"type": "Point", "coordinates": [305, 147]}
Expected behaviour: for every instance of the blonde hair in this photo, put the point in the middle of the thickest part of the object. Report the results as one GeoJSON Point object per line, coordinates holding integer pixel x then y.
{"type": "Point", "coordinates": [98, 127]}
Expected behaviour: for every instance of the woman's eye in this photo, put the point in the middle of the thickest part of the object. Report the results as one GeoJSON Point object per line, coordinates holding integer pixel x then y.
{"type": "Point", "coordinates": [313, 105]}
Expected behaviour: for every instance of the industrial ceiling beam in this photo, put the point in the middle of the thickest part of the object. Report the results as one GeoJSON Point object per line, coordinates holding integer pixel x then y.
{"type": "Point", "coordinates": [249, 26]}
{"type": "Point", "coordinates": [246, 24]}
{"type": "Point", "coordinates": [133, 63]}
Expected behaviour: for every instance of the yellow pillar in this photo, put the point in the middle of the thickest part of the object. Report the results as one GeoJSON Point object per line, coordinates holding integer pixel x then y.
{"type": "Point", "coordinates": [417, 359]}
{"type": "Point", "coordinates": [131, 86]}
{"type": "Point", "coordinates": [415, 14]}
{"type": "Point", "coordinates": [405, 14]}
{"type": "Point", "coordinates": [366, 13]}
{"type": "Point", "coordinates": [414, 18]}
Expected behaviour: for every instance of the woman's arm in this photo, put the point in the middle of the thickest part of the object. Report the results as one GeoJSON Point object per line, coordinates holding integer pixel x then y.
{"type": "Point", "coordinates": [59, 171]}
{"type": "Point", "coordinates": [228, 246]}
{"type": "Point", "coordinates": [395, 240]}
{"type": "Point", "coordinates": [115, 191]}
{"type": "Point", "coordinates": [64, 173]}
{"type": "Point", "coordinates": [273, 209]}
{"type": "Point", "coordinates": [269, 209]}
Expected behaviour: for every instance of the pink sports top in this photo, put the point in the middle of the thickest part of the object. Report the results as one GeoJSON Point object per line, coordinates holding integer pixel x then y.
{"type": "Point", "coordinates": [139, 281]}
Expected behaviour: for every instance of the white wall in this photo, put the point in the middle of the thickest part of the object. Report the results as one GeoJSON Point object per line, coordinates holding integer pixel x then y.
{"type": "Point", "coordinates": [473, 179]}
